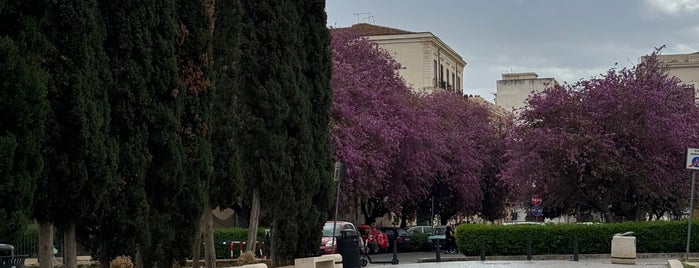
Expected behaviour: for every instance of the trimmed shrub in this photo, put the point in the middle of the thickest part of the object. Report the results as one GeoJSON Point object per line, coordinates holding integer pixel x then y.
{"type": "Point", "coordinates": [248, 257]}
{"type": "Point", "coordinates": [651, 237]}
{"type": "Point", "coordinates": [420, 241]}
{"type": "Point", "coordinates": [121, 262]}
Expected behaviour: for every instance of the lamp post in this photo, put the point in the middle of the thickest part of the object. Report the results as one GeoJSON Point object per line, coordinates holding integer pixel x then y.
{"type": "Point", "coordinates": [338, 176]}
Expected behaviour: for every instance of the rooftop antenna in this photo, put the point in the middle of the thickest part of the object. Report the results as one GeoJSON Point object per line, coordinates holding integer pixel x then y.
{"type": "Point", "coordinates": [364, 17]}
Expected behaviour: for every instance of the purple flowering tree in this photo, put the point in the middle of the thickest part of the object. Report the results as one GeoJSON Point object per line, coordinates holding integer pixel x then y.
{"type": "Point", "coordinates": [400, 147]}
{"type": "Point", "coordinates": [371, 115]}
{"type": "Point", "coordinates": [613, 145]}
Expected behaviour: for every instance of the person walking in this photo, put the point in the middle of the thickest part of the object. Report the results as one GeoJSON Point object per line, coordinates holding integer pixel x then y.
{"type": "Point", "coordinates": [450, 239]}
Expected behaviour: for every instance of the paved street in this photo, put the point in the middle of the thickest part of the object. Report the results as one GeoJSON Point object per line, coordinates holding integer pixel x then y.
{"type": "Point", "coordinates": [425, 260]}
{"type": "Point", "coordinates": [647, 263]}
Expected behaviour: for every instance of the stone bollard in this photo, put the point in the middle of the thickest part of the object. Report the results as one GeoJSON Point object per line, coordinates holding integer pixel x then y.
{"type": "Point", "coordinates": [624, 248]}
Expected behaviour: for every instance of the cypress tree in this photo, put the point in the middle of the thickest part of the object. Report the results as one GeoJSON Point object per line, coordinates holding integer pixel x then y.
{"type": "Point", "coordinates": [165, 177]}
{"type": "Point", "coordinates": [315, 193]}
{"type": "Point", "coordinates": [283, 120]}
{"type": "Point", "coordinates": [224, 188]}
{"type": "Point", "coordinates": [79, 153]}
{"type": "Point", "coordinates": [22, 112]}
{"type": "Point", "coordinates": [123, 226]}
{"type": "Point", "coordinates": [193, 57]}
{"type": "Point", "coordinates": [226, 52]}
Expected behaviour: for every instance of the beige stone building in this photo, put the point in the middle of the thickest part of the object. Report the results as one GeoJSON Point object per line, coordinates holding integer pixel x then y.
{"type": "Point", "coordinates": [427, 63]}
{"type": "Point", "coordinates": [685, 67]}
{"type": "Point", "coordinates": [514, 89]}
{"type": "Point", "coordinates": [498, 115]}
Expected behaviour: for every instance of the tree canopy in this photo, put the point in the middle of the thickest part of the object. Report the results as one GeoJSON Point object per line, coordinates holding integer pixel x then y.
{"type": "Point", "coordinates": [613, 144]}
{"type": "Point", "coordinates": [401, 147]}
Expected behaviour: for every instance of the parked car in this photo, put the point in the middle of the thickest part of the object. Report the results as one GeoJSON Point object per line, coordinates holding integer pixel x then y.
{"type": "Point", "coordinates": [421, 229]}
{"type": "Point", "coordinates": [327, 243]}
{"type": "Point", "coordinates": [523, 223]}
{"type": "Point", "coordinates": [375, 240]}
{"type": "Point", "coordinates": [439, 236]}
{"type": "Point", "coordinates": [403, 240]}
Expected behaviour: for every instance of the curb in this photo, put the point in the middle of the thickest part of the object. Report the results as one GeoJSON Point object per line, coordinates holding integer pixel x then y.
{"type": "Point", "coordinates": [669, 256]}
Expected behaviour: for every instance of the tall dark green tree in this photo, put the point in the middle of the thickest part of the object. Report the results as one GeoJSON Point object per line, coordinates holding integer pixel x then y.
{"type": "Point", "coordinates": [193, 45]}
{"type": "Point", "coordinates": [224, 189]}
{"type": "Point", "coordinates": [129, 47]}
{"type": "Point", "coordinates": [23, 108]}
{"type": "Point", "coordinates": [283, 115]}
{"type": "Point", "coordinates": [79, 152]}
{"type": "Point", "coordinates": [314, 164]}
{"type": "Point", "coordinates": [166, 179]}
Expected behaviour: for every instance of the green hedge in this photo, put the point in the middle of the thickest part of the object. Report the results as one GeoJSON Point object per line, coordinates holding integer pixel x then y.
{"type": "Point", "coordinates": [651, 237]}
{"type": "Point", "coordinates": [27, 244]}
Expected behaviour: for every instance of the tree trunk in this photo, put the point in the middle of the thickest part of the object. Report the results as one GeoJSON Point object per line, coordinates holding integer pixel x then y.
{"type": "Point", "coordinates": [104, 256]}
{"type": "Point", "coordinates": [241, 216]}
{"type": "Point", "coordinates": [272, 251]}
{"type": "Point", "coordinates": [138, 260]}
{"type": "Point", "coordinates": [254, 220]}
{"type": "Point", "coordinates": [196, 247]}
{"type": "Point", "coordinates": [45, 245]}
{"type": "Point", "coordinates": [209, 236]}
{"type": "Point", "coordinates": [70, 253]}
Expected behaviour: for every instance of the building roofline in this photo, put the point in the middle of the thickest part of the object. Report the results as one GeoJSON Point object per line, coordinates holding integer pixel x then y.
{"type": "Point", "coordinates": [428, 36]}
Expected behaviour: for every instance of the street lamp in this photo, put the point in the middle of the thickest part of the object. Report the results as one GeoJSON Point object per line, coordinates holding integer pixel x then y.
{"type": "Point", "coordinates": [338, 176]}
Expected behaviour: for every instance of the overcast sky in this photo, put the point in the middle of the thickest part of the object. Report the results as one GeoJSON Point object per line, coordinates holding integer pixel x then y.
{"type": "Point", "coordinates": [567, 40]}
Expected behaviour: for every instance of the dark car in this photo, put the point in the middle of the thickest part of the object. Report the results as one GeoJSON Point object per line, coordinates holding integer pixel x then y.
{"type": "Point", "coordinates": [403, 240]}
{"type": "Point", "coordinates": [438, 236]}
{"type": "Point", "coordinates": [428, 230]}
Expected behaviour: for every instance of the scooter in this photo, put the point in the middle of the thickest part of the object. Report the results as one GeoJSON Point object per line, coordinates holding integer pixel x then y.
{"type": "Point", "coordinates": [366, 258]}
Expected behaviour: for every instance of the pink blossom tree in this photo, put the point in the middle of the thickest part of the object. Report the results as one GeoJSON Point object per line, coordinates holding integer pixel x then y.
{"type": "Point", "coordinates": [458, 138]}
{"type": "Point", "coordinates": [400, 147]}
{"type": "Point", "coordinates": [613, 145]}
{"type": "Point", "coordinates": [371, 115]}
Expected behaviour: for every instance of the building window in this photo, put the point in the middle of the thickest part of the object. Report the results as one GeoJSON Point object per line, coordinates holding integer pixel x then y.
{"type": "Point", "coordinates": [453, 80]}
{"type": "Point", "coordinates": [458, 82]}
{"type": "Point", "coordinates": [447, 77]}
{"type": "Point", "coordinates": [441, 76]}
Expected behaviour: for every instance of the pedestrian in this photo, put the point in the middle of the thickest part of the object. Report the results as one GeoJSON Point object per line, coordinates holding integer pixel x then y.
{"type": "Point", "coordinates": [450, 239]}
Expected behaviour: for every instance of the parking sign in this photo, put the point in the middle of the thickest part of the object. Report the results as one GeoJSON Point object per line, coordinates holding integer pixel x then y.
{"type": "Point", "coordinates": [692, 158]}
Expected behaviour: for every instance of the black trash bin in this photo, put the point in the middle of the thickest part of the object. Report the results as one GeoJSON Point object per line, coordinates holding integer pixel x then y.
{"type": "Point", "coordinates": [348, 247]}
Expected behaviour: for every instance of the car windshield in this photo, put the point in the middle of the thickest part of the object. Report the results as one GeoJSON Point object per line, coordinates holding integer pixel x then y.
{"type": "Point", "coordinates": [328, 230]}
{"type": "Point", "coordinates": [440, 230]}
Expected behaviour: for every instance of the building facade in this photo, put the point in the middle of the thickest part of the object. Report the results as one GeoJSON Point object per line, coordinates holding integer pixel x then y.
{"type": "Point", "coordinates": [514, 89]}
{"type": "Point", "coordinates": [685, 67]}
{"type": "Point", "coordinates": [426, 62]}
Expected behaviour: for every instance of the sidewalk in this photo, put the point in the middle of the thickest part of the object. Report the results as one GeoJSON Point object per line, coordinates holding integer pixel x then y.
{"type": "Point", "coordinates": [602, 263]}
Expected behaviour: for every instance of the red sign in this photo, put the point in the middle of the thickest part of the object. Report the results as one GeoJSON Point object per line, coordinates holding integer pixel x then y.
{"type": "Point", "coordinates": [536, 200]}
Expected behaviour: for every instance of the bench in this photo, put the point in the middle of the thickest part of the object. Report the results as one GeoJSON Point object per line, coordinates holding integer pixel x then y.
{"type": "Point", "coordinates": [15, 261]}
{"type": "Point", "coordinates": [323, 261]}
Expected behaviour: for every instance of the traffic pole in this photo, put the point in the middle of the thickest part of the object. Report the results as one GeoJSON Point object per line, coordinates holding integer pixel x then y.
{"type": "Point", "coordinates": [691, 213]}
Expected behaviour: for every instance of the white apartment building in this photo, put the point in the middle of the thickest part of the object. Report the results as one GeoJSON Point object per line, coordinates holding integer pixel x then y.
{"type": "Point", "coordinates": [685, 67]}
{"type": "Point", "coordinates": [514, 89]}
{"type": "Point", "coordinates": [427, 63]}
